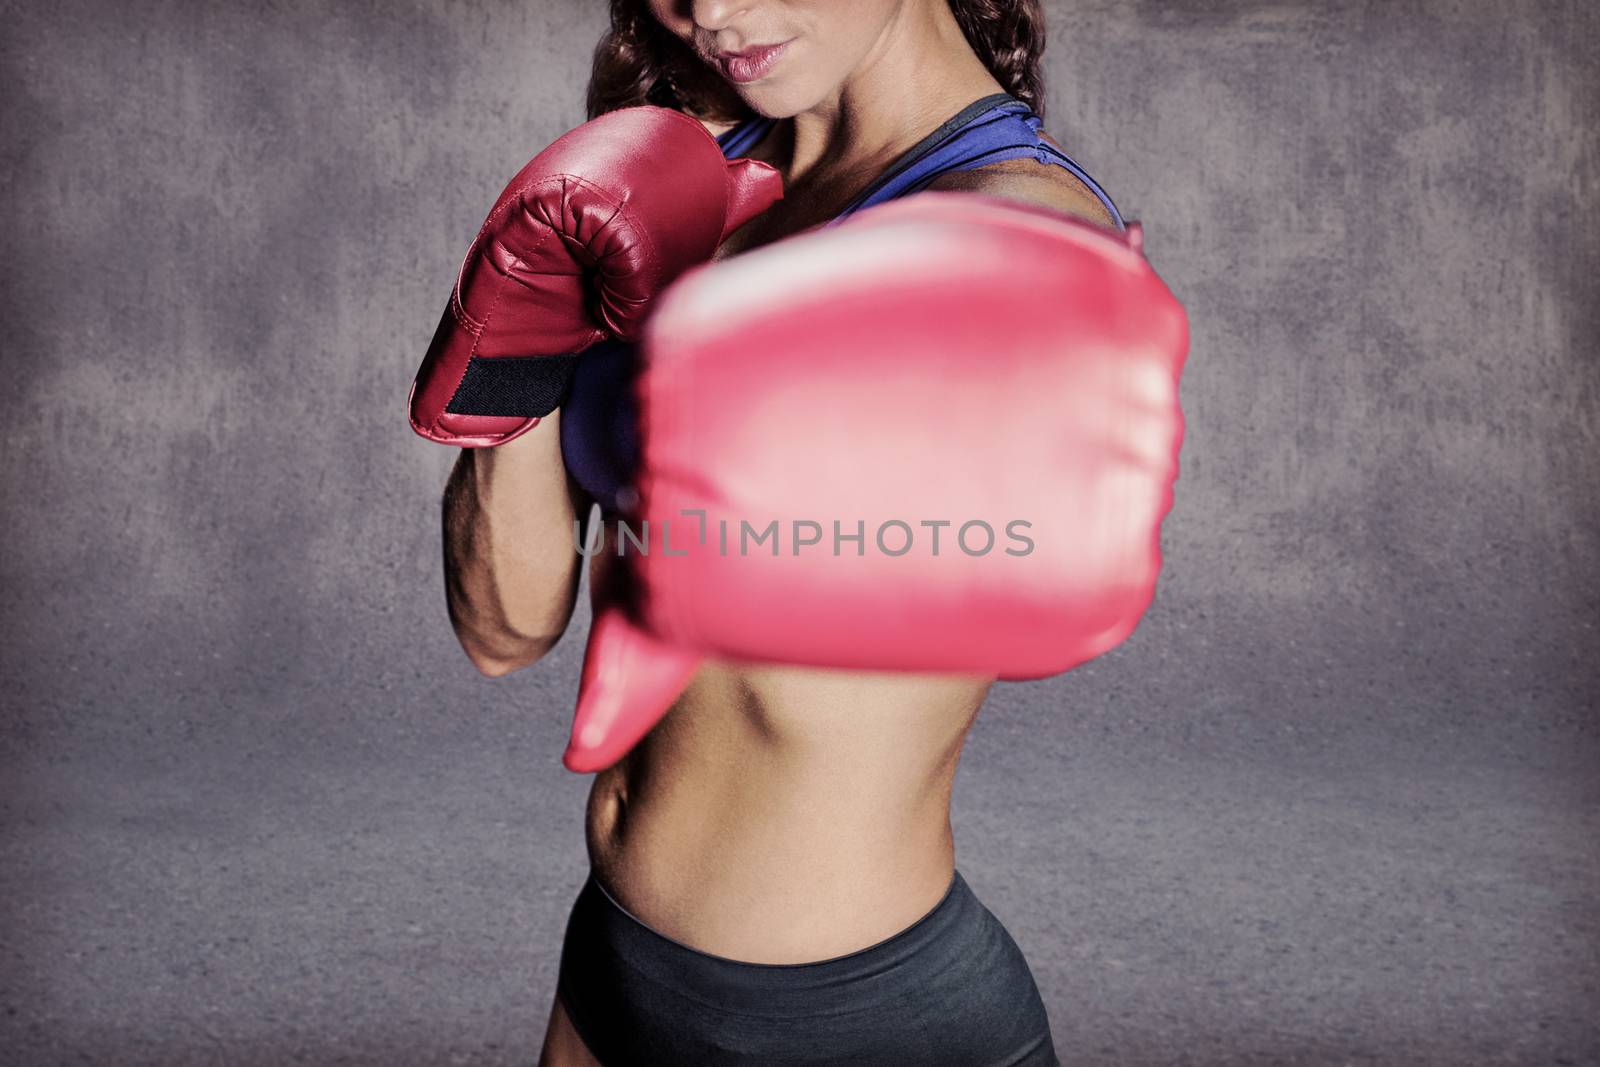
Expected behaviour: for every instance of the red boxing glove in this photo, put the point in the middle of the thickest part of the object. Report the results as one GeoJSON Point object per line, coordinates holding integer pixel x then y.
{"type": "Point", "coordinates": [575, 249]}
{"type": "Point", "coordinates": [940, 437]}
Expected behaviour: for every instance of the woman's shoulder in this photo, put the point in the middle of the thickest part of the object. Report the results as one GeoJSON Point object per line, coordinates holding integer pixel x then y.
{"type": "Point", "coordinates": [1031, 182]}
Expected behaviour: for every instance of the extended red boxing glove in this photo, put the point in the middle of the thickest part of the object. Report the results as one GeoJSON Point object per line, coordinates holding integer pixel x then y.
{"type": "Point", "coordinates": [577, 245]}
{"type": "Point", "coordinates": [982, 395]}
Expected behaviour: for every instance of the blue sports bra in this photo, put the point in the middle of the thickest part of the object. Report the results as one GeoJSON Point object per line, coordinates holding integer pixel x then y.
{"type": "Point", "coordinates": [599, 422]}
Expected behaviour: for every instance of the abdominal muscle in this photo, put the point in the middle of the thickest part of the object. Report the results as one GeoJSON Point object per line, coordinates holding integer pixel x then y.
{"type": "Point", "coordinates": [781, 814]}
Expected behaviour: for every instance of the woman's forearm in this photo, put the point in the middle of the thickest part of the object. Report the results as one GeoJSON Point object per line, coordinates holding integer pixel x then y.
{"type": "Point", "coordinates": [511, 569]}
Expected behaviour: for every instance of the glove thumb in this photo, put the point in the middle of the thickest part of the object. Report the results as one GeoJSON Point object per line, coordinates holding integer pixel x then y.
{"type": "Point", "coordinates": [752, 188]}
{"type": "Point", "coordinates": [630, 680]}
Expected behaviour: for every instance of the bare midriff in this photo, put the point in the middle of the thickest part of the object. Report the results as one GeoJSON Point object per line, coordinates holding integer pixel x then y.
{"type": "Point", "coordinates": [781, 814]}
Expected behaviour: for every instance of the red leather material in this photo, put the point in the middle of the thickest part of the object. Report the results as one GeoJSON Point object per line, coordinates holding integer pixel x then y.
{"type": "Point", "coordinates": [753, 187]}
{"type": "Point", "coordinates": [946, 357]}
{"type": "Point", "coordinates": [576, 247]}
{"type": "Point", "coordinates": [625, 669]}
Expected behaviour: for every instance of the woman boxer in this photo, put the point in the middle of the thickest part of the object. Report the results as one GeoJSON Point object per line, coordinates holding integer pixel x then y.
{"type": "Point", "coordinates": [784, 836]}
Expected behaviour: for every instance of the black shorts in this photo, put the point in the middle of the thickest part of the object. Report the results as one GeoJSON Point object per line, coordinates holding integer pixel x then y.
{"type": "Point", "coordinates": [950, 990]}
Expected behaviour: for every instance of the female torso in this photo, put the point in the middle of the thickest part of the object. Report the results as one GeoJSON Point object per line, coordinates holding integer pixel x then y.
{"type": "Point", "coordinates": [781, 814]}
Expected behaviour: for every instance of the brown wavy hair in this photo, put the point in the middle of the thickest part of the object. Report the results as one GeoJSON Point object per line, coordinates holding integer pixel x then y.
{"type": "Point", "coordinates": [638, 62]}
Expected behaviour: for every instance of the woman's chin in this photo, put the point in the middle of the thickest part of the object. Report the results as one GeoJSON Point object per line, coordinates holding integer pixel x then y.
{"type": "Point", "coordinates": [777, 97]}
{"type": "Point", "coordinates": [794, 82]}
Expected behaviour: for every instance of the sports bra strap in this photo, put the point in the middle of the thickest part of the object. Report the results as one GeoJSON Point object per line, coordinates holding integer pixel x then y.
{"type": "Point", "coordinates": [989, 130]}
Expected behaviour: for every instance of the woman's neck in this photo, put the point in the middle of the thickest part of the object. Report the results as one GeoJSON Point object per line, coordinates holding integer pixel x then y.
{"type": "Point", "coordinates": [917, 74]}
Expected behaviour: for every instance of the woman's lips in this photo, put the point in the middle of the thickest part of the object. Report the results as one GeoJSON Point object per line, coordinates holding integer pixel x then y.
{"type": "Point", "coordinates": [752, 64]}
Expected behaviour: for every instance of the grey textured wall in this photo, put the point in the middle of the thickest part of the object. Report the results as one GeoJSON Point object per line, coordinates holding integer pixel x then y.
{"type": "Point", "coordinates": [1335, 802]}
